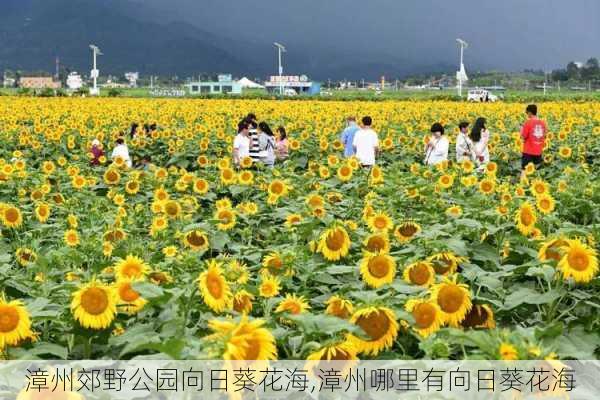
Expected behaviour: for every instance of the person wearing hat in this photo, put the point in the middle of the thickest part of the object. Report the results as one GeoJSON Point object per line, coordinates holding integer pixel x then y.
{"type": "Point", "coordinates": [436, 149]}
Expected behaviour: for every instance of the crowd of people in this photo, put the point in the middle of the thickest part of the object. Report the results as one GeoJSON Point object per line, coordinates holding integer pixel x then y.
{"type": "Point", "coordinates": [257, 142]}
{"type": "Point", "coordinates": [361, 141]}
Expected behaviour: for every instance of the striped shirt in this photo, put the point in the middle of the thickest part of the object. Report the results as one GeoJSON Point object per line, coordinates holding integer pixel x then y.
{"type": "Point", "coordinates": [254, 145]}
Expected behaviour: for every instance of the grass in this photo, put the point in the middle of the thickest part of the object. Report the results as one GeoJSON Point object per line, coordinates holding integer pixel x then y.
{"type": "Point", "coordinates": [369, 95]}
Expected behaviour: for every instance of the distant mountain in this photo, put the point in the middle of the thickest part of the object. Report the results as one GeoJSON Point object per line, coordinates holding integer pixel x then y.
{"type": "Point", "coordinates": [135, 37]}
{"type": "Point", "coordinates": [34, 32]}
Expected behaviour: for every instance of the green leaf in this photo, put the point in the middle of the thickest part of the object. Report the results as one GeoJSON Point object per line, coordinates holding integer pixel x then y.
{"type": "Point", "coordinates": [528, 296]}
{"type": "Point", "coordinates": [148, 290]}
{"type": "Point", "coordinates": [323, 324]}
{"type": "Point", "coordinates": [578, 344]}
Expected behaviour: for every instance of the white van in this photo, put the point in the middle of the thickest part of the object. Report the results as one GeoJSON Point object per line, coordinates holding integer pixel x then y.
{"type": "Point", "coordinates": [481, 95]}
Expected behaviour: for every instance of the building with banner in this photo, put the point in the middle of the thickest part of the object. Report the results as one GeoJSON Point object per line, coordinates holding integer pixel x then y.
{"type": "Point", "coordinates": [223, 85]}
{"type": "Point", "coordinates": [300, 84]}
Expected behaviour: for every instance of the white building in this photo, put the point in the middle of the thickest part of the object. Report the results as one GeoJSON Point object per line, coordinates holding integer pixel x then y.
{"type": "Point", "coordinates": [132, 78]}
{"type": "Point", "coordinates": [74, 81]}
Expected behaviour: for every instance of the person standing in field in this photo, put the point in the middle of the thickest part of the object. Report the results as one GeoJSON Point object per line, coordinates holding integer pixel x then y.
{"type": "Point", "coordinates": [266, 143]}
{"type": "Point", "coordinates": [253, 135]}
{"type": "Point", "coordinates": [366, 143]}
{"type": "Point", "coordinates": [96, 151]}
{"type": "Point", "coordinates": [436, 149]}
{"type": "Point", "coordinates": [241, 144]}
{"type": "Point", "coordinates": [480, 138]}
{"type": "Point", "coordinates": [121, 150]}
{"type": "Point", "coordinates": [464, 146]}
{"type": "Point", "coordinates": [347, 136]}
{"type": "Point", "coordinates": [282, 147]}
{"type": "Point", "coordinates": [533, 134]}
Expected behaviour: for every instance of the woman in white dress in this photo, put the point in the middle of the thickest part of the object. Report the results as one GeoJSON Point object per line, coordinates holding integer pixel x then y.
{"type": "Point", "coordinates": [436, 149]}
{"type": "Point", "coordinates": [480, 138]}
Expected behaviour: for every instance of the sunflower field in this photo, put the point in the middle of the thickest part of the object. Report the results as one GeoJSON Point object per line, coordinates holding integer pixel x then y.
{"type": "Point", "coordinates": [190, 258]}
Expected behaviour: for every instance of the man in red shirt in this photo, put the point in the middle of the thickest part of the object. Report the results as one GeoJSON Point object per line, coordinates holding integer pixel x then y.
{"type": "Point", "coordinates": [534, 136]}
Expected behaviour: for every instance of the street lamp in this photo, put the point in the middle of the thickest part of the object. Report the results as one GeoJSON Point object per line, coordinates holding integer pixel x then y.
{"type": "Point", "coordinates": [280, 49]}
{"type": "Point", "coordinates": [461, 74]}
{"type": "Point", "coordinates": [94, 91]}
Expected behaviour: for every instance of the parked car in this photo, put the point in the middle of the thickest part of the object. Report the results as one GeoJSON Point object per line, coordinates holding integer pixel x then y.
{"type": "Point", "coordinates": [482, 96]}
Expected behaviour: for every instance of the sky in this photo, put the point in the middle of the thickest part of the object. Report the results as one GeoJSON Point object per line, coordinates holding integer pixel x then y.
{"type": "Point", "coordinates": [506, 35]}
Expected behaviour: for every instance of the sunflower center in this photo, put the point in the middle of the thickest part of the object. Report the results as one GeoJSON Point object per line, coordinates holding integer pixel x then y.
{"type": "Point", "coordinates": [293, 307]}
{"type": "Point", "coordinates": [419, 274]}
{"type": "Point", "coordinates": [195, 239]}
{"type": "Point", "coordinates": [127, 293]}
{"type": "Point", "coordinates": [408, 230]}
{"type": "Point", "coordinates": [9, 319]}
{"type": "Point", "coordinates": [424, 315]}
{"type": "Point", "coordinates": [240, 303]}
{"type": "Point", "coordinates": [94, 301]}
{"type": "Point", "coordinates": [335, 240]}
{"type": "Point", "coordinates": [578, 260]}
{"type": "Point", "coordinates": [131, 269]}
{"type": "Point", "coordinates": [379, 266]}
{"type": "Point", "coordinates": [375, 244]}
{"type": "Point", "coordinates": [276, 188]}
{"type": "Point", "coordinates": [380, 223]}
{"type": "Point", "coordinates": [213, 284]}
{"type": "Point", "coordinates": [376, 324]}
{"type": "Point", "coordinates": [252, 350]}
{"type": "Point", "coordinates": [450, 298]}
{"type": "Point", "coordinates": [11, 215]}
{"type": "Point", "coordinates": [526, 218]}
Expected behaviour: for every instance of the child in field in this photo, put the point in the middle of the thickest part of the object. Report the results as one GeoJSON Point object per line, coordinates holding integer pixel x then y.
{"type": "Point", "coordinates": [436, 149]}
{"type": "Point", "coordinates": [533, 134]}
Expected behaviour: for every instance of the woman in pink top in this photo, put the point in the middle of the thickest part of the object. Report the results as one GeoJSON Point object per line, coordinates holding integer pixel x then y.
{"type": "Point", "coordinates": [282, 147]}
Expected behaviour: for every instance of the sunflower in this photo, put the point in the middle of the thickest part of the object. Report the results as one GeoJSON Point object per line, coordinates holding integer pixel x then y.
{"type": "Point", "coordinates": [377, 269]}
{"type": "Point", "coordinates": [380, 327]}
{"type": "Point", "coordinates": [380, 222]}
{"type": "Point", "coordinates": [237, 272]}
{"type": "Point", "coordinates": [131, 267]}
{"type": "Point", "coordinates": [242, 302]}
{"type": "Point", "coordinates": [201, 186]}
{"type": "Point", "coordinates": [246, 178]}
{"type": "Point", "coordinates": [226, 218]}
{"type": "Point", "coordinates": [453, 299]}
{"type": "Point", "coordinates": [78, 182]}
{"type": "Point", "coordinates": [269, 286]}
{"type": "Point", "coordinates": [445, 263]}
{"type": "Point", "coordinates": [487, 186]}
{"type": "Point", "coordinates": [94, 305]}
{"type": "Point", "coordinates": [406, 231]}
{"type": "Point", "coordinates": [25, 256]}
{"type": "Point", "coordinates": [427, 314]}
{"type": "Point", "coordinates": [15, 323]}
{"type": "Point", "coordinates": [161, 195]}
{"type": "Point", "coordinates": [445, 181]}
{"type": "Point", "coordinates": [579, 261]}
{"type": "Point", "coordinates": [244, 340]}
{"type": "Point", "coordinates": [376, 175]}
{"type": "Point", "coordinates": [11, 216]}
{"type": "Point", "coordinates": [525, 218]}
{"type": "Point", "coordinates": [273, 263]}
{"type": "Point", "coordinates": [129, 300]}
{"type": "Point", "coordinates": [246, 162]}
{"type": "Point", "coordinates": [508, 352]}
{"type": "Point", "coordinates": [552, 249]}
{"type": "Point", "coordinates": [377, 243]}
{"type": "Point", "coordinates": [480, 316]}
{"type": "Point", "coordinates": [112, 177]}
{"type": "Point", "coordinates": [277, 188]}
{"type": "Point", "coordinates": [334, 243]}
{"type": "Point", "coordinates": [172, 208]}
{"type": "Point", "coordinates": [170, 251]}
{"type": "Point", "coordinates": [454, 211]}
{"type": "Point", "coordinates": [214, 288]}
{"type": "Point", "coordinates": [132, 187]}
{"type": "Point", "coordinates": [335, 352]}
{"type": "Point", "coordinates": [293, 219]}
{"type": "Point", "coordinates": [565, 152]}
{"type": "Point", "coordinates": [344, 173]}
{"type": "Point", "coordinates": [315, 201]}
{"type": "Point", "coordinates": [71, 237]}
{"type": "Point", "coordinates": [545, 203]}
{"type": "Point", "coordinates": [292, 304]}
{"type": "Point", "coordinates": [339, 307]}
{"type": "Point", "coordinates": [539, 187]}
{"type": "Point", "coordinates": [420, 273]}
{"type": "Point", "coordinates": [228, 176]}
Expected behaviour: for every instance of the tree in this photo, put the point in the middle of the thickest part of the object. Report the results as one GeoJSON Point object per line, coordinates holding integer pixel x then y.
{"type": "Point", "coordinates": [560, 75]}
{"type": "Point", "coordinates": [591, 70]}
{"type": "Point", "coordinates": [573, 71]}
